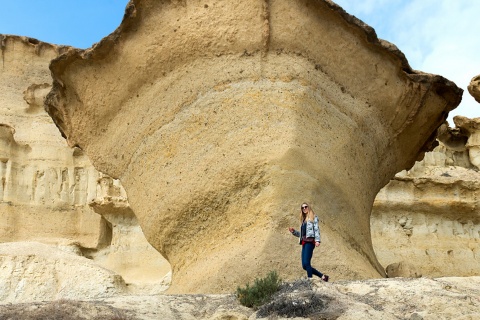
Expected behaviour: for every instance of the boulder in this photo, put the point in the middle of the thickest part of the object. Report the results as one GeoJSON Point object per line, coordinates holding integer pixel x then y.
{"type": "Point", "coordinates": [402, 269]}
{"type": "Point", "coordinates": [474, 88]}
{"type": "Point", "coordinates": [32, 271]}
{"type": "Point", "coordinates": [220, 119]}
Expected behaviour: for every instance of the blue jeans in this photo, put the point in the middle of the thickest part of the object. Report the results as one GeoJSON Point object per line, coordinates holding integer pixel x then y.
{"type": "Point", "coordinates": [307, 253]}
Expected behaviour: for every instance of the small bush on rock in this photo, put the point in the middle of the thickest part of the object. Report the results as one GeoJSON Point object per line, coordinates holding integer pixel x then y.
{"type": "Point", "coordinates": [260, 292]}
{"type": "Point", "coordinates": [301, 299]}
{"type": "Point", "coordinates": [299, 305]}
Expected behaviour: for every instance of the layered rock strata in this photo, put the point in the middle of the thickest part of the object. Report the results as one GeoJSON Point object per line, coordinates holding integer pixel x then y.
{"type": "Point", "coordinates": [50, 193]}
{"type": "Point", "coordinates": [221, 118]}
{"type": "Point", "coordinates": [45, 184]}
{"type": "Point", "coordinates": [426, 221]}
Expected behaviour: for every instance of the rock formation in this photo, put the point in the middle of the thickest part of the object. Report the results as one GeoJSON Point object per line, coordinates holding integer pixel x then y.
{"type": "Point", "coordinates": [471, 129]}
{"type": "Point", "coordinates": [45, 184]}
{"type": "Point", "coordinates": [129, 254]}
{"type": "Point", "coordinates": [221, 118]}
{"type": "Point", "coordinates": [474, 88]}
{"type": "Point", "coordinates": [32, 271]}
{"type": "Point", "coordinates": [376, 299]}
{"type": "Point", "coordinates": [426, 221]}
{"type": "Point", "coordinates": [50, 193]}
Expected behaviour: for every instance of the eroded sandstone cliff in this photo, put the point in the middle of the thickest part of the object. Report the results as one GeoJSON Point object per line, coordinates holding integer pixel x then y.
{"type": "Point", "coordinates": [45, 184]}
{"type": "Point", "coordinates": [426, 221]}
{"type": "Point", "coordinates": [54, 206]}
{"type": "Point", "coordinates": [221, 118]}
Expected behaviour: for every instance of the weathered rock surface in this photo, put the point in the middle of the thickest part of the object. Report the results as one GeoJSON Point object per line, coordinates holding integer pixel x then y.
{"type": "Point", "coordinates": [129, 254]}
{"type": "Point", "coordinates": [122, 262]}
{"type": "Point", "coordinates": [51, 193]}
{"type": "Point", "coordinates": [471, 129]}
{"type": "Point", "coordinates": [426, 221]}
{"type": "Point", "coordinates": [32, 271]}
{"type": "Point", "coordinates": [45, 185]}
{"type": "Point", "coordinates": [474, 88]}
{"type": "Point", "coordinates": [401, 269]}
{"type": "Point", "coordinates": [424, 298]}
{"type": "Point", "coordinates": [221, 118]}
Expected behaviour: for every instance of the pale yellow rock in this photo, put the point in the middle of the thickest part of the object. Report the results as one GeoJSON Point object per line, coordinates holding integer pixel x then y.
{"type": "Point", "coordinates": [32, 271]}
{"type": "Point", "coordinates": [129, 254]}
{"type": "Point", "coordinates": [45, 185]}
{"type": "Point", "coordinates": [474, 88]}
{"type": "Point", "coordinates": [48, 189]}
{"type": "Point", "coordinates": [221, 118]}
{"type": "Point", "coordinates": [402, 269]}
{"type": "Point", "coordinates": [423, 298]}
{"type": "Point", "coordinates": [471, 128]}
{"type": "Point", "coordinates": [426, 221]}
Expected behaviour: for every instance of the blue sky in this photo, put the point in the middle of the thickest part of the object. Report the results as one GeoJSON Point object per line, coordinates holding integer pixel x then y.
{"type": "Point", "coordinates": [436, 36]}
{"type": "Point", "coordinates": [78, 23]}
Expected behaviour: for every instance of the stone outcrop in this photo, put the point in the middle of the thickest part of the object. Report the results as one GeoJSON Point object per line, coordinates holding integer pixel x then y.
{"type": "Point", "coordinates": [426, 221]}
{"type": "Point", "coordinates": [50, 193]}
{"type": "Point", "coordinates": [129, 254]}
{"type": "Point", "coordinates": [474, 88]}
{"type": "Point", "coordinates": [221, 118]}
{"type": "Point", "coordinates": [32, 271]}
{"type": "Point", "coordinates": [382, 299]}
{"type": "Point", "coordinates": [45, 185]}
{"type": "Point", "coordinates": [471, 129]}
{"type": "Point", "coordinates": [402, 269]}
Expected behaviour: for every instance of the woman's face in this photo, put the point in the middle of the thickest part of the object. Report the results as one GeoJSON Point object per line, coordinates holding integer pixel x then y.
{"type": "Point", "coordinates": [304, 207]}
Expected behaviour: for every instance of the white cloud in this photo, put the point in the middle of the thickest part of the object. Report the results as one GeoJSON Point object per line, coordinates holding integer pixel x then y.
{"type": "Point", "coordinates": [443, 33]}
{"type": "Point", "coordinates": [436, 36]}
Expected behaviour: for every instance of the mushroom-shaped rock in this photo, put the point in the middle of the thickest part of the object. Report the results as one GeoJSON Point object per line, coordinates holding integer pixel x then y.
{"type": "Point", "coordinates": [471, 129]}
{"type": "Point", "coordinates": [452, 138]}
{"type": "Point", "coordinates": [474, 88]}
{"type": "Point", "coordinates": [220, 119]}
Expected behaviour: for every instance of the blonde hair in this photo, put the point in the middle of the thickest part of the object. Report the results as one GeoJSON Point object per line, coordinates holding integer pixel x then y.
{"type": "Point", "coordinates": [309, 216]}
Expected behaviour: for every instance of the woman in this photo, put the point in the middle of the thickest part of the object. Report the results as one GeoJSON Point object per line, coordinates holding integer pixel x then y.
{"type": "Point", "coordinates": [309, 235]}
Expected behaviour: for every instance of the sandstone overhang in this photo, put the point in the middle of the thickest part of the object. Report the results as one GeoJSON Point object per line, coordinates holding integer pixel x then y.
{"type": "Point", "coordinates": [220, 118]}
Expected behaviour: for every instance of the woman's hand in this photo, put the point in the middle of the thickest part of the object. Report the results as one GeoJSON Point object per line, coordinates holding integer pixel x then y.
{"type": "Point", "coordinates": [317, 244]}
{"type": "Point", "coordinates": [291, 229]}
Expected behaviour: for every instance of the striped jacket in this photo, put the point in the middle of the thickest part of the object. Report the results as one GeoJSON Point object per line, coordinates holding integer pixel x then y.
{"type": "Point", "coordinates": [313, 231]}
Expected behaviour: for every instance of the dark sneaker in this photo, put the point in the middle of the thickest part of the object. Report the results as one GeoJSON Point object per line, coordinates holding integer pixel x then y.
{"type": "Point", "coordinates": [325, 278]}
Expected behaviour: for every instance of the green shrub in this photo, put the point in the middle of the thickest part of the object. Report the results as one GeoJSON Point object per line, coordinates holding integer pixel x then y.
{"type": "Point", "coordinates": [260, 292]}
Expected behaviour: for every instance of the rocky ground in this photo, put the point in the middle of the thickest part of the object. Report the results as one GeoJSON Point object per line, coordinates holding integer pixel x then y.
{"type": "Point", "coordinates": [398, 298]}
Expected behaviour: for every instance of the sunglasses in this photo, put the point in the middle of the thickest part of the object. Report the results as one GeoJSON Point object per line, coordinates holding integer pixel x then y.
{"type": "Point", "coordinates": [304, 207]}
